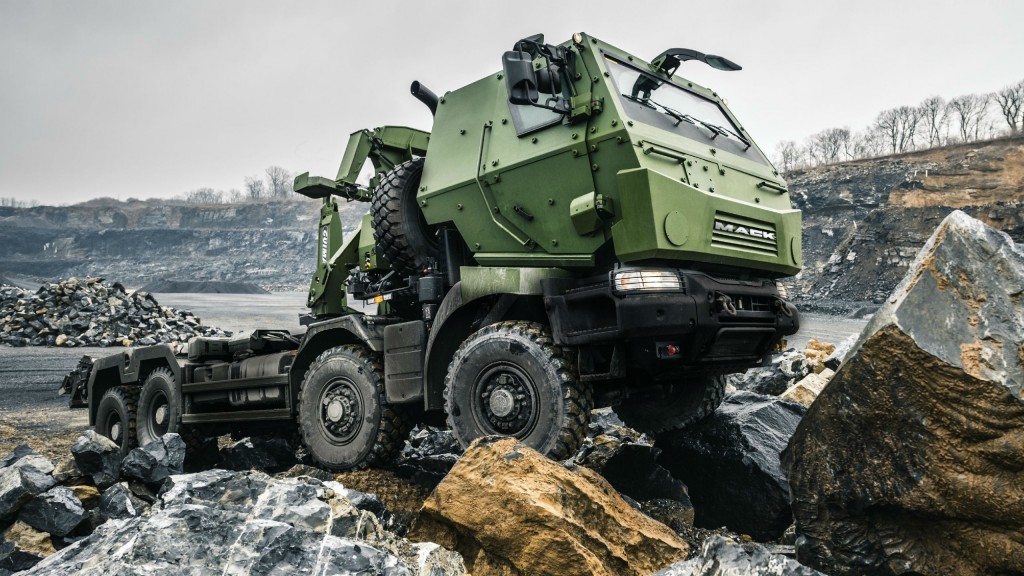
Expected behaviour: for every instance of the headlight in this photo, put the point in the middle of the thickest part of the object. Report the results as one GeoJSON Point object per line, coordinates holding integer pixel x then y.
{"type": "Point", "coordinates": [636, 280]}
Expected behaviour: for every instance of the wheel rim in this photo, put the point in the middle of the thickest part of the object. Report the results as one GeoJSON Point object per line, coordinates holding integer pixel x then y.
{"type": "Point", "coordinates": [505, 400]}
{"type": "Point", "coordinates": [114, 428]}
{"type": "Point", "coordinates": [160, 415]}
{"type": "Point", "coordinates": [340, 411]}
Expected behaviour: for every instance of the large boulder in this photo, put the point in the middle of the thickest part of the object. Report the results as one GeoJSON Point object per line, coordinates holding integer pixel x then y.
{"type": "Point", "coordinates": [154, 462]}
{"type": "Point", "coordinates": [24, 473]}
{"type": "Point", "coordinates": [912, 458]}
{"type": "Point", "coordinates": [220, 522]}
{"type": "Point", "coordinates": [511, 511]}
{"type": "Point", "coordinates": [730, 463]}
{"type": "Point", "coordinates": [98, 457]}
{"type": "Point", "coordinates": [57, 511]}
{"type": "Point", "coordinates": [724, 557]}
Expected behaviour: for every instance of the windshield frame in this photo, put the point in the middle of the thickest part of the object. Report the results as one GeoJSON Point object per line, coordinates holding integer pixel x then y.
{"type": "Point", "coordinates": [653, 114]}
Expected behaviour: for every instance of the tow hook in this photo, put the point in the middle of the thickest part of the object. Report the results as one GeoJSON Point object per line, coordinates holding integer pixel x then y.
{"type": "Point", "coordinates": [725, 303]}
{"type": "Point", "coordinates": [784, 307]}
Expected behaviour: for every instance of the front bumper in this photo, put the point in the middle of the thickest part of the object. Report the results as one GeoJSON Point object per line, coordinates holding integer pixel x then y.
{"type": "Point", "coordinates": [710, 321]}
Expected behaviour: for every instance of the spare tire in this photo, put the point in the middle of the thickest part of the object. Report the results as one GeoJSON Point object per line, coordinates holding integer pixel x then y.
{"type": "Point", "coordinates": [399, 228]}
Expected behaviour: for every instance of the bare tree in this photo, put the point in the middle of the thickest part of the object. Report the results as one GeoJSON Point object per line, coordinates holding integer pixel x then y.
{"type": "Point", "coordinates": [787, 154]}
{"type": "Point", "coordinates": [898, 126]}
{"type": "Point", "coordinates": [935, 119]}
{"type": "Point", "coordinates": [1011, 104]}
{"type": "Point", "coordinates": [255, 188]}
{"type": "Point", "coordinates": [234, 196]}
{"type": "Point", "coordinates": [967, 111]}
{"type": "Point", "coordinates": [205, 196]}
{"type": "Point", "coordinates": [869, 143]}
{"type": "Point", "coordinates": [279, 180]}
{"type": "Point", "coordinates": [827, 146]}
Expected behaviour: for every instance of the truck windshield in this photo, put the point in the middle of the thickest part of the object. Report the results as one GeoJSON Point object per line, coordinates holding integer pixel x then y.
{"type": "Point", "coordinates": [652, 100]}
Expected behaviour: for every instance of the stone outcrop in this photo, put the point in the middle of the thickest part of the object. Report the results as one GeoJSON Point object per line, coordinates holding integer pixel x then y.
{"type": "Point", "coordinates": [89, 312]}
{"type": "Point", "coordinates": [724, 557]}
{"type": "Point", "coordinates": [912, 458]}
{"type": "Point", "coordinates": [221, 522]}
{"type": "Point", "coordinates": [730, 463]}
{"type": "Point", "coordinates": [511, 511]}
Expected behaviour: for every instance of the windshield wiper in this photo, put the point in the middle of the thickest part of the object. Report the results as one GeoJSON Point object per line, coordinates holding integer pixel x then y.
{"type": "Point", "coordinates": [680, 117]}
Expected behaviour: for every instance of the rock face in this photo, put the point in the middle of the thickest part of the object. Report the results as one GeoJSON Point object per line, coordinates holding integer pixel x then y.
{"type": "Point", "coordinates": [723, 557]}
{"type": "Point", "coordinates": [89, 312]}
{"type": "Point", "coordinates": [220, 522]}
{"type": "Point", "coordinates": [730, 463]}
{"type": "Point", "coordinates": [511, 511]}
{"type": "Point", "coordinates": [864, 221]}
{"type": "Point", "coordinates": [912, 458]}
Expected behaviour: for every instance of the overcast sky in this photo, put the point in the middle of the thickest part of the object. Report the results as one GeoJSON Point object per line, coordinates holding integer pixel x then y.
{"type": "Point", "coordinates": [151, 98]}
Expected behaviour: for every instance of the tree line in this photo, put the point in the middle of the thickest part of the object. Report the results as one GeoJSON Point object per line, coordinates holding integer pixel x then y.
{"type": "Point", "coordinates": [276, 182]}
{"type": "Point", "coordinates": [932, 123]}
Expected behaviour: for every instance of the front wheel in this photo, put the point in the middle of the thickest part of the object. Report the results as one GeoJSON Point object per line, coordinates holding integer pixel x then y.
{"type": "Point", "coordinates": [510, 379]}
{"type": "Point", "coordinates": [343, 419]}
{"type": "Point", "coordinates": [686, 404]}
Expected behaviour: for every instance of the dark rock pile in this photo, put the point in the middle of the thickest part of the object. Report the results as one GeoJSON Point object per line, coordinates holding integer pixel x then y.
{"type": "Point", "coordinates": [102, 513]}
{"type": "Point", "coordinates": [730, 463]}
{"type": "Point", "coordinates": [90, 312]}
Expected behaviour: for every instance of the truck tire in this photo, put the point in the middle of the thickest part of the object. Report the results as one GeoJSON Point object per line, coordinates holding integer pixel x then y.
{"type": "Point", "coordinates": [115, 417]}
{"type": "Point", "coordinates": [510, 379]}
{"type": "Point", "coordinates": [344, 421]}
{"type": "Point", "coordinates": [685, 405]}
{"type": "Point", "coordinates": [158, 407]}
{"type": "Point", "coordinates": [399, 228]}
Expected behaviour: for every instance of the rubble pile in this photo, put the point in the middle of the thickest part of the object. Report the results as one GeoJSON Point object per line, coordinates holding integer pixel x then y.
{"type": "Point", "coordinates": [90, 312]}
{"type": "Point", "coordinates": [910, 460]}
{"type": "Point", "coordinates": [101, 513]}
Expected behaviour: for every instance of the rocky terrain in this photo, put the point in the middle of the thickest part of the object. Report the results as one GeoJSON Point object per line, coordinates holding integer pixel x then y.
{"type": "Point", "coordinates": [864, 221]}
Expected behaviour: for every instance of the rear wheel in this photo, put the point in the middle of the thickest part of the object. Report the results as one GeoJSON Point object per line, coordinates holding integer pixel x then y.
{"type": "Point", "coordinates": [115, 416]}
{"type": "Point", "coordinates": [343, 419]}
{"type": "Point", "coordinates": [510, 379]}
{"type": "Point", "coordinates": [159, 406]}
{"type": "Point", "coordinates": [684, 405]}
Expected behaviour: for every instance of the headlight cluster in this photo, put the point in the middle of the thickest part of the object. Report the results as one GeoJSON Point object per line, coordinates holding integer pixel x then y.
{"type": "Point", "coordinates": [638, 280]}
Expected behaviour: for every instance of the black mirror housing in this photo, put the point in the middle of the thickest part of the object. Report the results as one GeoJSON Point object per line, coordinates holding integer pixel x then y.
{"type": "Point", "coordinates": [520, 77]}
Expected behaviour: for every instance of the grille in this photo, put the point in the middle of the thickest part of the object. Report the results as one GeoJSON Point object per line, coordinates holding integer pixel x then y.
{"type": "Point", "coordinates": [734, 232]}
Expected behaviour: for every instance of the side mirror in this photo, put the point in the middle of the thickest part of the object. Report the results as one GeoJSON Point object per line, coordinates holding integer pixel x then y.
{"type": "Point", "coordinates": [520, 77]}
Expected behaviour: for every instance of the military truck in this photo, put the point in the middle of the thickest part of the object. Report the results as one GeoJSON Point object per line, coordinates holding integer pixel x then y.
{"type": "Point", "coordinates": [581, 229]}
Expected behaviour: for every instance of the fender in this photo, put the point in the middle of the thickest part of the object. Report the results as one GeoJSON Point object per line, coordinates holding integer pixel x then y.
{"type": "Point", "coordinates": [128, 368]}
{"type": "Point", "coordinates": [349, 329]}
{"type": "Point", "coordinates": [457, 318]}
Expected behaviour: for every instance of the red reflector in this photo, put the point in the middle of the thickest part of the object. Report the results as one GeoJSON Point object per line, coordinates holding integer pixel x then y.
{"type": "Point", "coordinates": [672, 349]}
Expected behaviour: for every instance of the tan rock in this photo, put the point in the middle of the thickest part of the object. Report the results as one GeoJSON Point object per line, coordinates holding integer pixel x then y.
{"type": "Point", "coordinates": [808, 388]}
{"type": "Point", "coordinates": [512, 512]}
{"type": "Point", "coordinates": [89, 495]}
{"type": "Point", "coordinates": [28, 540]}
{"type": "Point", "coordinates": [817, 352]}
{"type": "Point", "coordinates": [61, 340]}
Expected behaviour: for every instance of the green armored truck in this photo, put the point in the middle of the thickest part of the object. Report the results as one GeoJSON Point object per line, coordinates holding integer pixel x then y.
{"type": "Point", "coordinates": [580, 229]}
